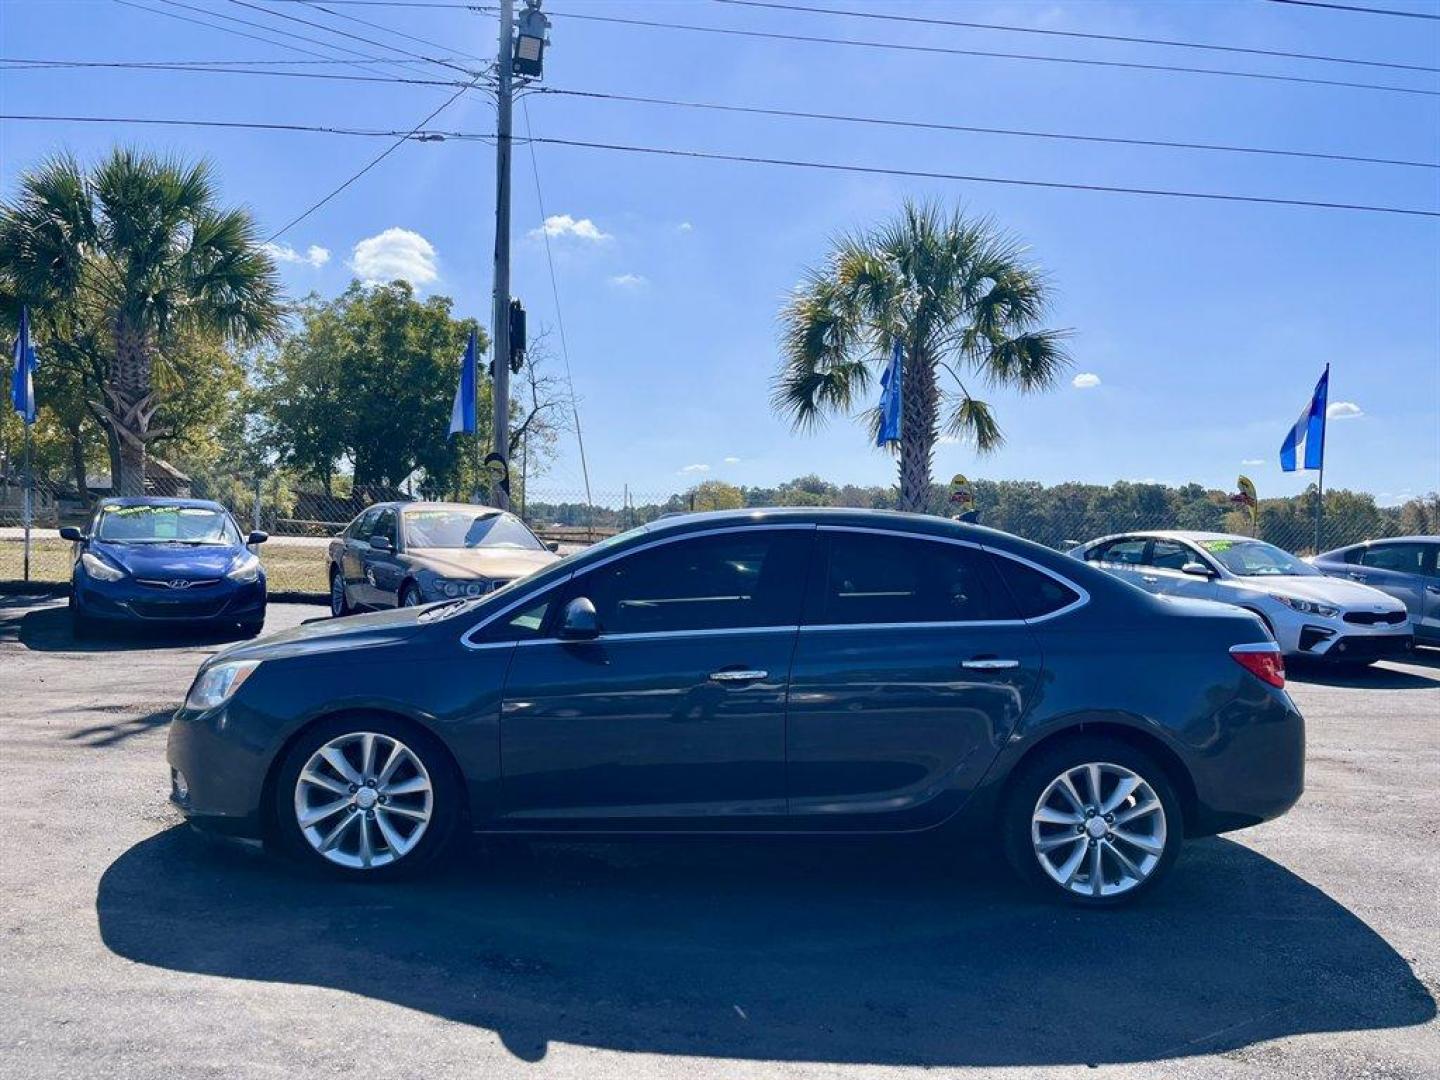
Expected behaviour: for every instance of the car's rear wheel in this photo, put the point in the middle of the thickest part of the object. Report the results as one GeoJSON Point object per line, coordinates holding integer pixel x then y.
{"type": "Point", "coordinates": [339, 601]}
{"type": "Point", "coordinates": [1092, 820]}
{"type": "Point", "coordinates": [367, 797]}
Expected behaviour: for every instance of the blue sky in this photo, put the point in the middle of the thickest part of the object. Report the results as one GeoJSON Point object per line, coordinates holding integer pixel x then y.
{"type": "Point", "coordinates": [1205, 324]}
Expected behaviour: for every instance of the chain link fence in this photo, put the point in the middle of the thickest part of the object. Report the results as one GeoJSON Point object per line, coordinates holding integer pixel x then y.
{"type": "Point", "coordinates": [301, 520]}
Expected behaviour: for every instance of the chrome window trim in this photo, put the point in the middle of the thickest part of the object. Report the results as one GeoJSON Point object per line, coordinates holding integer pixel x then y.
{"type": "Point", "coordinates": [655, 635]}
{"type": "Point", "coordinates": [466, 638]}
{"type": "Point", "coordinates": [1082, 594]}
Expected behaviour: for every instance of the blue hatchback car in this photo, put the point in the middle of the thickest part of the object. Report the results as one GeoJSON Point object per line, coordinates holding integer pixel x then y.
{"type": "Point", "coordinates": [177, 562]}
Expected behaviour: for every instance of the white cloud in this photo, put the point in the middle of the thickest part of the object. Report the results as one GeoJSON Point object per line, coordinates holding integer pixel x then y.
{"type": "Point", "coordinates": [732, 461]}
{"type": "Point", "coordinates": [697, 468]}
{"type": "Point", "coordinates": [565, 225]}
{"type": "Point", "coordinates": [1086, 380]}
{"type": "Point", "coordinates": [1344, 410]}
{"type": "Point", "coordinates": [314, 256]}
{"type": "Point", "coordinates": [684, 226]}
{"type": "Point", "coordinates": [395, 254]}
{"type": "Point", "coordinates": [629, 281]}
{"type": "Point", "coordinates": [1253, 461]}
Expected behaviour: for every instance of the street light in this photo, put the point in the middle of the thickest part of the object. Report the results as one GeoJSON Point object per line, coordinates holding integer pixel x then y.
{"type": "Point", "coordinates": [529, 57]}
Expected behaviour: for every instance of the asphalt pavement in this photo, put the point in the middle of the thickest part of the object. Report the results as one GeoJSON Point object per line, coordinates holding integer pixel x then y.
{"type": "Point", "coordinates": [1308, 946]}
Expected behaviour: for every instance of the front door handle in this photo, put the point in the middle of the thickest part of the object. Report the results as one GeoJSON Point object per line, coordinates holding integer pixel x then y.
{"type": "Point", "coordinates": [989, 663]}
{"type": "Point", "coordinates": [1149, 579]}
{"type": "Point", "coordinates": [1433, 588]}
{"type": "Point", "coordinates": [747, 675]}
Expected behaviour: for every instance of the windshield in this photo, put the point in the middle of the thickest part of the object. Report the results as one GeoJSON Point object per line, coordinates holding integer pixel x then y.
{"type": "Point", "coordinates": [166, 525]}
{"type": "Point", "coordinates": [480, 527]}
{"type": "Point", "coordinates": [1255, 558]}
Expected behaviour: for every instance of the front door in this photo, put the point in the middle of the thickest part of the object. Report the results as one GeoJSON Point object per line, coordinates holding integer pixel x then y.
{"type": "Point", "coordinates": [912, 668]}
{"type": "Point", "coordinates": [352, 559]}
{"type": "Point", "coordinates": [1162, 572]}
{"type": "Point", "coordinates": [383, 566]}
{"type": "Point", "coordinates": [676, 711]}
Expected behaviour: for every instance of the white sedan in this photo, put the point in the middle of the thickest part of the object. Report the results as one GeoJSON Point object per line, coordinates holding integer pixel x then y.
{"type": "Point", "coordinates": [1309, 614]}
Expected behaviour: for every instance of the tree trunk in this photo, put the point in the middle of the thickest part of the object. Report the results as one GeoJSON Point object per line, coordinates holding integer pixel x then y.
{"type": "Point", "coordinates": [919, 397]}
{"type": "Point", "coordinates": [77, 466]}
{"type": "Point", "coordinates": [131, 403]}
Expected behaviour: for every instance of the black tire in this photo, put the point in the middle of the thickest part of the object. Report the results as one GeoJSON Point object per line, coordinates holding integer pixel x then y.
{"type": "Point", "coordinates": [410, 595]}
{"type": "Point", "coordinates": [447, 812]}
{"type": "Point", "coordinates": [1034, 777]}
{"type": "Point", "coordinates": [82, 626]}
{"type": "Point", "coordinates": [252, 627]}
{"type": "Point", "coordinates": [339, 599]}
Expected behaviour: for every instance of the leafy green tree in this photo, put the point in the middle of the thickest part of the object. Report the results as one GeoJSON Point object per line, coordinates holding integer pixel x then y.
{"type": "Point", "coordinates": [962, 300]}
{"type": "Point", "coordinates": [143, 243]}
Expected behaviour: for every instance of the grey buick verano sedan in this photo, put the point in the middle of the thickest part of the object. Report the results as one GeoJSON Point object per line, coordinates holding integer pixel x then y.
{"type": "Point", "coordinates": [793, 672]}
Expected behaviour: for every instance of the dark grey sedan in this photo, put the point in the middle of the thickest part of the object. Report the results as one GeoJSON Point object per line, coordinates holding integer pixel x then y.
{"type": "Point", "coordinates": [410, 553]}
{"type": "Point", "coordinates": [1406, 567]}
{"type": "Point", "coordinates": [793, 672]}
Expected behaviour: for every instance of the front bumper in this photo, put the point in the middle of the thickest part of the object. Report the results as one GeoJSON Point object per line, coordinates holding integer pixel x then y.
{"type": "Point", "coordinates": [1339, 639]}
{"type": "Point", "coordinates": [125, 601]}
{"type": "Point", "coordinates": [216, 780]}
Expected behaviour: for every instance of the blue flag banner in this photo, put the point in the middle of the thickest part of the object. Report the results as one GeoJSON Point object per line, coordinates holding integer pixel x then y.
{"type": "Point", "coordinates": [890, 398]}
{"type": "Point", "coordinates": [462, 413]}
{"type": "Point", "coordinates": [22, 380]}
{"type": "Point", "coordinates": [1308, 432]}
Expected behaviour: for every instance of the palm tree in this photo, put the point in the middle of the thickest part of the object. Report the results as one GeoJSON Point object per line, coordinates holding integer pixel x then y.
{"type": "Point", "coordinates": [963, 302]}
{"type": "Point", "coordinates": [141, 241]}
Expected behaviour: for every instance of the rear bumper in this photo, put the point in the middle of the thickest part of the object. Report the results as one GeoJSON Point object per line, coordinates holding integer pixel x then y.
{"type": "Point", "coordinates": [1257, 772]}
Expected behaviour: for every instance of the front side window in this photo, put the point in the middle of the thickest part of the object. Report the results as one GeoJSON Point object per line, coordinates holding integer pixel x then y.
{"type": "Point", "coordinates": [1402, 558]}
{"type": "Point", "coordinates": [364, 526]}
{"type": "Point", "coordinates": [1171, 555]}
{"type": "Point", "coordinates": [873, 579]}
{"type": "Point", "coordinates": [1255, 558]}
{"type": "Point", "coordinates": [735, 580]}
{"type": "Point", "coordinates": [385, 526]}
{"type": "Point", "coordinates": [455, 528]}
{"type": "Point", "coordinates": [166, 525]}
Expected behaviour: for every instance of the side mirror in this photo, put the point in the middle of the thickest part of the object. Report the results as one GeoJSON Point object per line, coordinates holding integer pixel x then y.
{"type": "Point", "coordinates": [1197, 569]}
{"type": "Point", "coordinates": [71, 533]}
{"type": "Point", "coordinates": [257, 537]}
{"type": "Point", "coordinates": [578, 622]}
{"type": "Point", "coordinates": [381, 542]}
{"type": "Point", "coordinates": [553, 545]}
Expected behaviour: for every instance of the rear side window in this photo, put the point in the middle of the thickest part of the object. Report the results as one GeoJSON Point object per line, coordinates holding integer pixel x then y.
{"type": "Point", "coordinates": [1035, 593]}
{"type": "Point", "coordinates": [729, 581]}
{"type": "Point", "coordinates": [871, 579]}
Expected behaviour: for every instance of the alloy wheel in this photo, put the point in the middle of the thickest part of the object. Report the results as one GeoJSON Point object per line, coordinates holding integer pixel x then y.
{"type": "Point", "coordinates": [1098, 830]}
{"type": "Point", "coordinates": [337, 595]}
{"type": "Point", "coordinates": [363, 800]}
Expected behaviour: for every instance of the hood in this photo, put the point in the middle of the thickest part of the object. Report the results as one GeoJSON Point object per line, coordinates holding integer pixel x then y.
{"type": "Point", "coordinates": [1338, 592]}
{"type": "Point", "coordinates": [494, 562]}
{"type": "Point", "coordinates": [324, 635]}
{"type": "Point", "coordinates": [162, 562]}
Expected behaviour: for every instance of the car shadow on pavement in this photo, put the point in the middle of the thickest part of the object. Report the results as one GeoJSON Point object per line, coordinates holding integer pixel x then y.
{"type": "Point", "coordinates": [780, 951]}
{"type": "Point", "coordinates": [1382, 676]}
{"type": "Point", "coordinates": [49, 629]}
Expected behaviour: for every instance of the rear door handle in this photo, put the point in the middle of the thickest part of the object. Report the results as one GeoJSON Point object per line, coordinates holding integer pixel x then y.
{"type": "Point", "coordinates": [738, 676]}
{"type": "Point", "coordinates": [989, 663]}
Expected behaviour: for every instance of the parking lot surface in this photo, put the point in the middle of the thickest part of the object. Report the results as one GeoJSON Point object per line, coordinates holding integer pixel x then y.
{"type": "Point", "coordinates": [1309, 946]}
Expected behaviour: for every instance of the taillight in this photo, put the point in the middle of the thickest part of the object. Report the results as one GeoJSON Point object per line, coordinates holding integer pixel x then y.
{"type": "Point", "coordinates": [1263, 661]}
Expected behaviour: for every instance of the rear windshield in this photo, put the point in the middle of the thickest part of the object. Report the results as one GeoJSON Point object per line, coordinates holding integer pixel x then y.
{"type": "Point", "coordinates": [166, 525]}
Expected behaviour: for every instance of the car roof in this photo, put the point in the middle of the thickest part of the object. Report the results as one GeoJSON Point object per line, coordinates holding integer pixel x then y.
{"type": "Point", "coordinates": [159, 500]}
{"type": "Point", "coordinates": [1195, 535]}
{"type": "Point", "coordinates": [425, 505]}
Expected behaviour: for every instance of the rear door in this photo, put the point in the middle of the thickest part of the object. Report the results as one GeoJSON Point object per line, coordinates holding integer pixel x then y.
{"type": "Point", "coordinates": [911, 669]}
{"type": "Point", "coordinates": [675, 713]}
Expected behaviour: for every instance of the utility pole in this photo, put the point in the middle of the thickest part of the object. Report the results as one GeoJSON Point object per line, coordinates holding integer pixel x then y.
{"type": "Point", "coordinates": [500, 315]}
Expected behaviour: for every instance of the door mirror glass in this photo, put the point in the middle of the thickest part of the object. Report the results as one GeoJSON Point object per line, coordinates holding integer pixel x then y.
{"type": "Point", "coordinates": [553, 545]}
{"type": "Point", "coordinates": [380, 542]}
{"type": "Point", "coordinates": [70, 532]}
{"type": "Point", "coordinates": [1196, 569]}
{"type": "Point", "coordinates": [257, 537]}
{"type": "Point", "coordinates": [578, 622]}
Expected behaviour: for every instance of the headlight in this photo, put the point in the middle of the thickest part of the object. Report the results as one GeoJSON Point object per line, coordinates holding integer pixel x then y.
{"type": "Point", "coordinates": [217, 685]}
{"type": "Point", "coordinates": [99, 569]}
{"type": "Point", "coordinates": [452, 589]}
{"type": "Point", "coordinates": [1307, 607]}
{"type": "Point", "coordinates": [245, 572]}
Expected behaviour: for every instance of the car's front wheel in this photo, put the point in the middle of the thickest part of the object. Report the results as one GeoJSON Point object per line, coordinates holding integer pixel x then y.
{"type": "Point", "coordinates": [339, 599]}
{"type": "Point", "coordinates": [1092, 820]}
{"type": "Point", "coordinates": [367, 797]}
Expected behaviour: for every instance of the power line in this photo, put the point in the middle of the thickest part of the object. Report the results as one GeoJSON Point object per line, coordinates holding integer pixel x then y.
{"type": "Point", "coordinates": [37, 62]}
{"type": "Point", "coordinates": [968, 128]}
{"type": "Point", "coordinates": [555, 292]}
{"type": "Point", "coordinates": [1358, 9]}
{"type": "Point", "coordinates": [329, 76]}
{"type": "Point", "coordinates": [390, 30]}
{"type": "Point", "coordinates": [943, 50]}
{"type": "Point", "coordinates": [1168, 42]}
{"type": "Point", "coordinates": [876, 170]}
{"type": "Point", "coordinates": [418, 135]}
{"type": "Point", "coordinates": [347, 34]}
{"type": "Point", "coordinates": [372, 163]}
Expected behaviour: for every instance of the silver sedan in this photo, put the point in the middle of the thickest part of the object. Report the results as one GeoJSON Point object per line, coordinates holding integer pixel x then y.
{"type": "Point", "coordinates": [1309, 614]}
